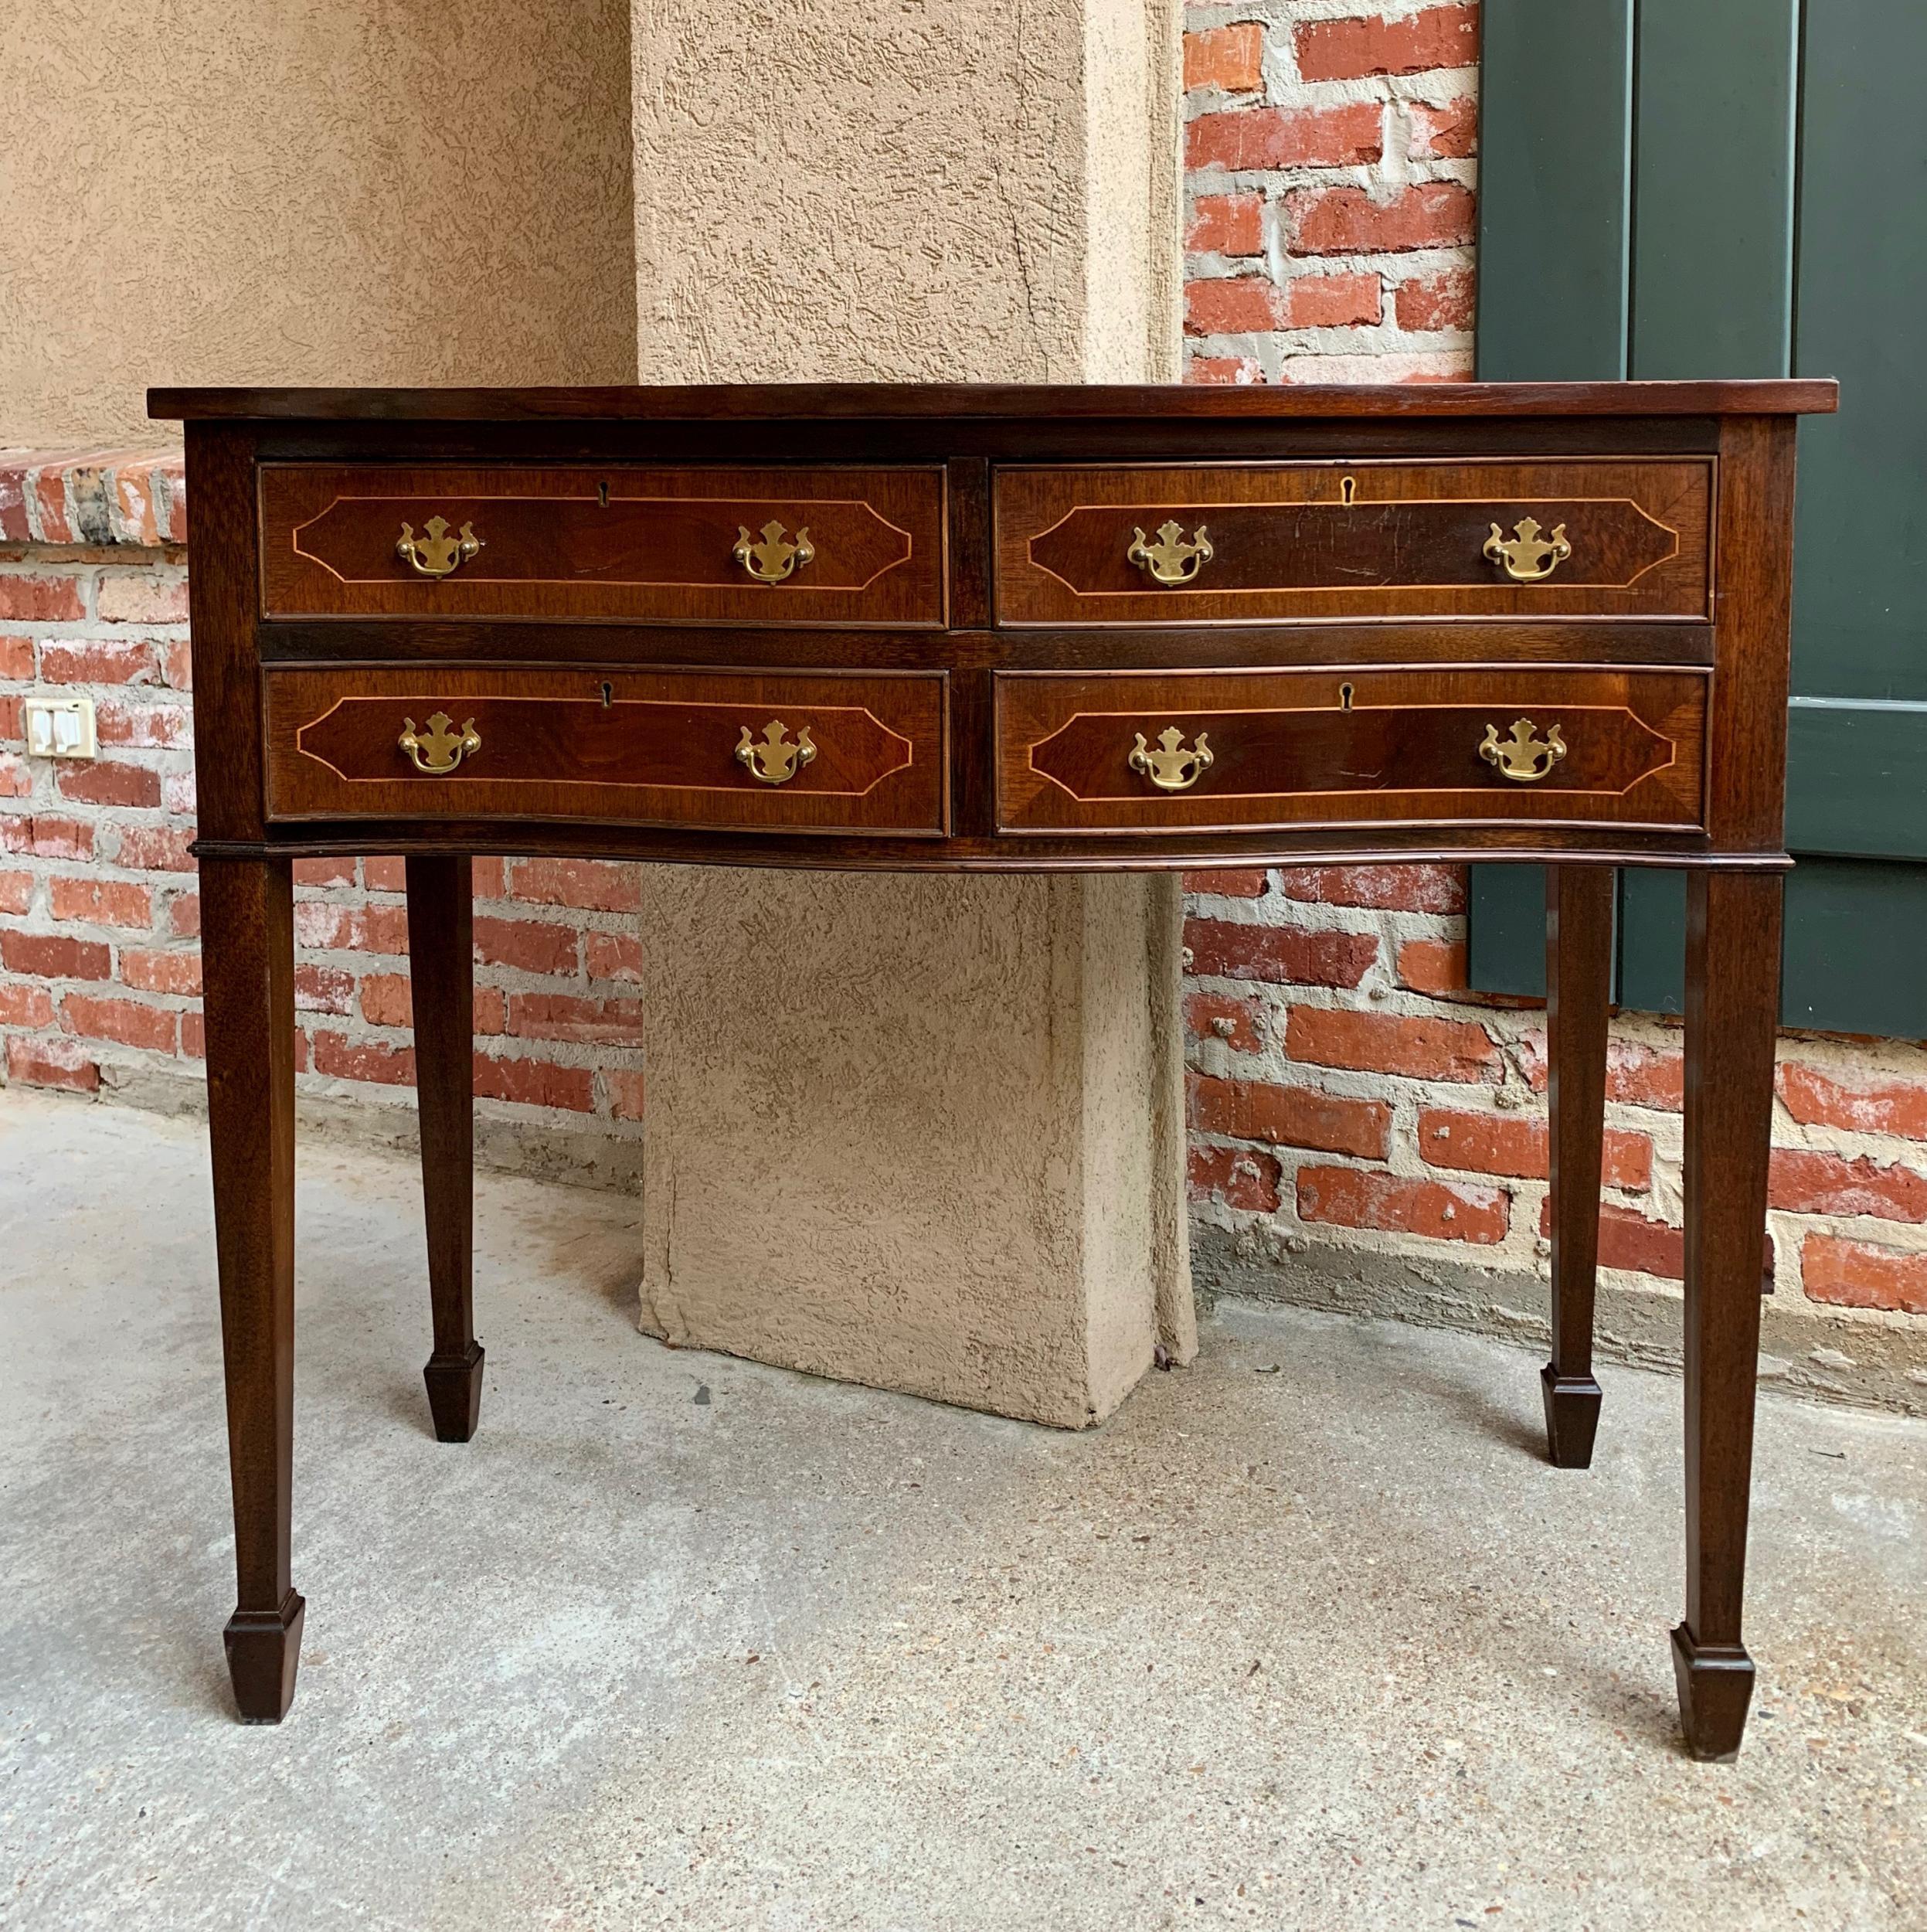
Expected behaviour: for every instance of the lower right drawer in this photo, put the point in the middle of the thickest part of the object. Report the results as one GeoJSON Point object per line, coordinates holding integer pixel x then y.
{"type": "Point", "coordinates": [1136, 751]}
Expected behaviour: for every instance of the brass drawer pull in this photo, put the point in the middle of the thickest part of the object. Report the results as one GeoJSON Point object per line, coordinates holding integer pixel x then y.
{"type": "Point", "coordinates": [1170, 561]}
{"type": "Point", "coordinates": [435, 553]}
{"type": "Point", "coordinates": [440, 749]}
{"type": "Point", "coordinates": [1170, 767]}
{"type": "Point", "coordinates": [1522, 757]}
{"type": "Point", "coordinates": [1527, 555]}
{"type": "Point", "coordinates": [769, 758]}
{"type": "Point", "coordinates": [776, 557]}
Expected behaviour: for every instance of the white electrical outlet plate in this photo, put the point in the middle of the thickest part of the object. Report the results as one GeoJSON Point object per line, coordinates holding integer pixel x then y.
{"type": "Point", "coordinates": [59, 728]}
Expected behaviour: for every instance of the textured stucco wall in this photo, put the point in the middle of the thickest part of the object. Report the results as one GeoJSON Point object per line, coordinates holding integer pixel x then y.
{"type": "Point", "coordinates": [319, 191]}
{"type": "Point", "coordinates": [924, 1133]}
{"type": "Point", "coordinates": [902, 1132]}
{"type": "Point", "coordinates": [890, 190]}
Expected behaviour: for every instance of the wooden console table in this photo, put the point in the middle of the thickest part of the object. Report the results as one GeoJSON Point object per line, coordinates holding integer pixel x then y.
{"type": "Point", "coordinates": [972, 629]}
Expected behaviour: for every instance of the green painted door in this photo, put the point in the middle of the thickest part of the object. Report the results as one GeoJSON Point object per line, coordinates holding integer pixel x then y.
{"type": "Point", "coordinates": [1739, 184]}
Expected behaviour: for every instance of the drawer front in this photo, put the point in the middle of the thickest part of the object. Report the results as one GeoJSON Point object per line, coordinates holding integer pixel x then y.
{"type": "Point", "coordinates": [1297, 540]}
{"type": "Point", "coordinates": [725, 751]}
{"type": "Point", "coordinates": [685, 546]}
{"type": "Point", "coordinates": [1224, 750]}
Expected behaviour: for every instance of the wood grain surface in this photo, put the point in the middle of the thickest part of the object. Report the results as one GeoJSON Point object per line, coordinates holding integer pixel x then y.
{"type": "Point", "coordinates": [1304, 540]}
{"type": "Point", "coordinates": [997, 402]}
{"type": "Point", "coordinates": [617, 542]}
{"type": "Point", "coordinates": [1578, 980]}
{"type": "Point", "coordinates": [1287, 750]}
{"type": "Point", "coordinates": [1732, 991]}
{"type": "Point", "coordinates": [640, 747]}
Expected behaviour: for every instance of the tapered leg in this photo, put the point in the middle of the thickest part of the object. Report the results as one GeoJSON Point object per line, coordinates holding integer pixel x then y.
{"type": "Point", "coordinates": [1578, 968]}
{"type": "Point", "coordinates": [247, 954]}
{"type": "Point", "coordinates": [442, 973]}
{"type": "Point", "coordinates": [1732, 1006]}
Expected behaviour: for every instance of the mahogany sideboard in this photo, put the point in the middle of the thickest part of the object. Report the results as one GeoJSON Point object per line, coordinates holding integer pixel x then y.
{"type": "Point", "coordinates": [999, 628]}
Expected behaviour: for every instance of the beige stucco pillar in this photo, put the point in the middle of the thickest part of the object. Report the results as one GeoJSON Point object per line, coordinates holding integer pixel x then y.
{"type": "Point", "coordinates": [924, 1133]}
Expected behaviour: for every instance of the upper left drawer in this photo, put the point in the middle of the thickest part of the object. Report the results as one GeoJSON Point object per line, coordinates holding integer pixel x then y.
{"type": "Point", "coordinates": [787, 547]}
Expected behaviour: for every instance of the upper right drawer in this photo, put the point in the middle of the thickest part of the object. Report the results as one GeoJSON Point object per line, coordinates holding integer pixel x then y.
{"type": "Point", "coordinates": [1256, 543]}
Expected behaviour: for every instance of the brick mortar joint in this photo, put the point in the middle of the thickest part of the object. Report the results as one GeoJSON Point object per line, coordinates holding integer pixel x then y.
{"type": "Point", "coordinates": [1289, 13]}
{"type": "Point", "coordinates": [1441, 87]}
{"type": "Point", "coordinates": [131, 498]}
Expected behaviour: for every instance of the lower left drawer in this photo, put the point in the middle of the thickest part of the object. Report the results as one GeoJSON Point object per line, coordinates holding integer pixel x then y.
{"type": "Point", "coordinates": [772, 751]}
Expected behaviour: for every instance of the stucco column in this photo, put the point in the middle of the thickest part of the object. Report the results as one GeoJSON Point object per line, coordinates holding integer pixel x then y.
{"type": "Point", "coordinates": [924, 1133]}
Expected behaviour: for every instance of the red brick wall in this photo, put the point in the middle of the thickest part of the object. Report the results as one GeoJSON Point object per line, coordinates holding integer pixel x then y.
{"type": "Point", "coordinates": [1347, 1091]}
{"type": "Point", "coordinates": [99, 966]}
{"type": "Point", "coordinates": [1329, 170]}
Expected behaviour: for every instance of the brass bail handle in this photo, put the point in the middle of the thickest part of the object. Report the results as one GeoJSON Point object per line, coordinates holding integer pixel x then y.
{"type": "Point", "coordinates": [775, 557]}
{"type": "Point", "coordinates": [435, 553]}
{"type": "Point", "coordinates": [775, 757]}
{"type": "Point", "coordinates": [440, 749]}
{"type": "Point", "coordinates": [1528, 556]}
{"type": "Point", "coordinates": [1520, 755]}
{"type": "Point", "coordinates": [1172, 559]}
{"type": "Point", "coordinates": [1168, 765]}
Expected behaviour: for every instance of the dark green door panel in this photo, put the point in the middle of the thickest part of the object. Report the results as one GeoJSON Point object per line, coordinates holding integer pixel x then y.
{"type": "Point", "coordinates": [1857, 770]}
{"type": "Point", "coordinates": [1856, 958]}
{"type": "Point", "coordinates": [1505, 932]}
{"type": "Point", "coordinates": [1555, 189]}
{"type": "Point", "coordinates": [1776, 164]}
{"type": "Point", "coordinates": [1860, 614]}
{"type": "Point", "coordinates": [1651, 962]}
{"type": "Point", "coordinates": [1506, 935]}
{"type": "Point", "coordinates": [1712, 279]}
{"type": "Point", "coordinates": [1856, 937]}
{"type": "Point", "coordinates": [1856, 950]}
{"type": "Point", "coordinates": [1856, 942]}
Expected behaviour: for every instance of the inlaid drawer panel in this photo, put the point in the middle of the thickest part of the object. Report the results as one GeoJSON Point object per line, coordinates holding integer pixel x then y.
{"type": "Point", "coordinates": [733, 545]}
{"type": "Point", "coordinates": [1236, 544]}
{"type": "Point", "coordinates": [722, 749]}
{"type": "Point", "coordinates": [1124, 752]}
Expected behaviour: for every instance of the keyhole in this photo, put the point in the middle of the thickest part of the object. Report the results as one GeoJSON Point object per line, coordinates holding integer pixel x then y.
{"type": "Point", "coordinates": [608, 692]}
{"type": "Point", "coordinates": [1344, 696]}
{"type": "Point", "coordinates": [1349, 491]}
{"type": "Point", "coordinates": [602, 497]}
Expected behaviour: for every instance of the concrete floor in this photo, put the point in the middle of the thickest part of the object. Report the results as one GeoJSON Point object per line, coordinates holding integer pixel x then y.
{"type": "Point", "coordinates": [1309, 1636]}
